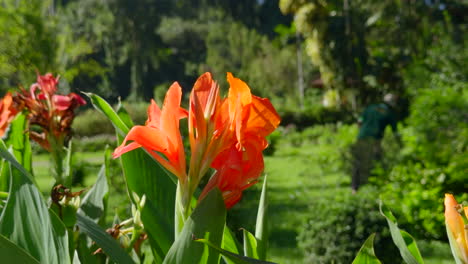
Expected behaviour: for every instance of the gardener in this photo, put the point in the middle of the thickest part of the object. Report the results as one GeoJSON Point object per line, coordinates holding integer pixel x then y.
{"type": "Point", "coordinates": [367, 149]}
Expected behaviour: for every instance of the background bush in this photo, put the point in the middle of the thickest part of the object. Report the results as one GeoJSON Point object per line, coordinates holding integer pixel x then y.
{"type": "Point", "coordinates": [337, 227]}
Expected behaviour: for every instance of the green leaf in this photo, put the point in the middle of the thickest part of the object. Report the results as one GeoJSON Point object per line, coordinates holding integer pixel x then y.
{"type": "Point", "coordinates": [250, 245]}
{"type": "Point", "coordinates": [144, 176]}
{"type": "Point", "coordinates": [366, 254]}
{"type": "Point", "coordinates": [108, 244]}
{"type": "Point", "coordinates": [11, 253]}
{"type": "Point", "coordinates": [207, 221]}
{"type": "Point", "coordinates": [19, 139]}
{"type": "Point", "coordinates": [93, 204]}
{"type": "Point", "coordinates": [230, 244]}
{"type": "Point", "coordinates": [261, 231]}
{"type": "Point", "coordinates": [233, 257]}
{"type": "Point", "coordinates": [68, 166]}
{"type": "Point", "coordinates": [26, 220]}
{"type": "Point", "coordinates": [105, 108]}
{"type": "Point", "coordinates": [404, 241]}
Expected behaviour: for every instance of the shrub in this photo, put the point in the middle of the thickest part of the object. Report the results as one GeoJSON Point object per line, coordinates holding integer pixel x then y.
{"type": "Point", "coordinates": [433, 161]}
{"type": "Point", "coordinates": [440, 123]}
{"type": "Point", "coordinates": [338, 226]}
{"type": "Point", "coordinates": [95, 143]}
{"type": "Point", "coordinates": [90, 123]}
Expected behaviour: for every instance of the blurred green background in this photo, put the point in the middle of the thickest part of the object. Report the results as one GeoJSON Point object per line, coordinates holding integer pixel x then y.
{"type": "Point", "coordinates": [320, 63]}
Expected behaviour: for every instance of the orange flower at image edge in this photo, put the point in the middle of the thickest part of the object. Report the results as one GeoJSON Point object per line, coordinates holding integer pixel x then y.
{"type": "Point", "coordinates": [456, 228]}
{"type": "Point", "coordinates": [7, 112]}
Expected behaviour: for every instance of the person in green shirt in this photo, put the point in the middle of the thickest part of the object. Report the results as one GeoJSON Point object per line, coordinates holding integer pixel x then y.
{"type": "Point", "coordinates": [367, 149]}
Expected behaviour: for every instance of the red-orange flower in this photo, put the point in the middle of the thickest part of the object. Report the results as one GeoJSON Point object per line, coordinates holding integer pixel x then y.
{"type": "Point", "coordinates": [161, 136]}
{"type": "Point", "coordinates": [53, 113]}
{"type": "Point", "coordinates": [251, 119]}
{"type": "Point", "coordinates": [7, 112]}
{"type": "Point", "coordinates": [208, 126]}
{"type": "Point", "coordinates": [227, 135]}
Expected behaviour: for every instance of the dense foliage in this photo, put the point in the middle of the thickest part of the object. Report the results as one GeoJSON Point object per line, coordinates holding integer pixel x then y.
{"type": "Point", "coordinates": [339, 226]}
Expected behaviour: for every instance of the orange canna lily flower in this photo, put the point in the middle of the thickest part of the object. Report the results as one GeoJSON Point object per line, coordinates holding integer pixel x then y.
{"type": "Point", "coordinates": [208, 126]}
{"type": "Point", "coordinates": [456, 229]}
{"type": "Point", "coordinates": [161, 136]}
{"type": "Point", "coordinates": [7, 112]}
{"type": "Point", "coordinates": [225, 134]}
{"type": "Point", "coordinates": [251, 119]}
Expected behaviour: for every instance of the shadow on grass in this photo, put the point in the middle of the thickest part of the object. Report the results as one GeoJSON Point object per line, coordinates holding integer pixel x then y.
{"type": "Point", "coordinates": [284, 238]}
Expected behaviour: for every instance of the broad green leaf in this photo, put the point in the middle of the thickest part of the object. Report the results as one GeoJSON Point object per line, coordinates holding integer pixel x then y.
{"type": "Point", "coordinates": [26, 220]}
{"type": "Point", "coordinates": [233, 257]}
{"type": "Point", "coordinates": [144, 176]}
{"type": "Point", "coordinates": [19, 139]}
{"type": "Point", "coordinates": [207, 221]}
{"type": "Point", "coordinates": [366, 254]}
{"type": "Point", "coordinates": [93, 204]}
{"type": "Point", "coordinates": [405, 242]}
{"type": "Point", "coordinates": [67, 165]}
{"type": "Point", "coordinates": [230, 244]}
{"type": "Point", "coordinates": [261, 232]}
{"type": "Point", "coordinates": [11, 253]}
{"type": "Point", "coordinates": [4, 175]}
{"type": "Point", "coordinates": [108, 244]}
{"type": "Point", "coordinates": [250, 245]}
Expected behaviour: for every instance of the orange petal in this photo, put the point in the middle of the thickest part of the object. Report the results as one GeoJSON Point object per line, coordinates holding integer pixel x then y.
{"type": "Point", "coordinates": [119, 151]}
{"type": "Point", "coordinates": [147, 137]}
{"type": "Point", "coordinates": [239, 93]}
{"type": "Point", "coordinates": [203, 87]}
{"type": "Point", "coordinates": [170, 113]}
{"type": "Point", "coordinates": [262, 117]}
{"type": "Point", "coordinates": [154, 115]}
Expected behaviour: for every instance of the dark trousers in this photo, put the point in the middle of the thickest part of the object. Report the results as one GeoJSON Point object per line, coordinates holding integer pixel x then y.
{"type": "Point", "coordinates": [365, 152]}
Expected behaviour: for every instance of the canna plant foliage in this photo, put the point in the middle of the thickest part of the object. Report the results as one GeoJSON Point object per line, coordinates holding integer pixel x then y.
{"type": "Point", "coordinates": [174, 219]}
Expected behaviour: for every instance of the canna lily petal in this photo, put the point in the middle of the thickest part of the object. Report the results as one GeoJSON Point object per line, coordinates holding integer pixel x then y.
{"type": "Point", "coordinates": [456, 227]}
{"type": "Point", "coordinates": [262, 117]}
{"type": "Point", "coordinates": [161, 136]}
{"type": "Point", "coordinates": [250, 114]}
{"type": "Point", "coordinates": [151, 138]}
{"type": "Point", "coordinates": [236, 171]}
{"type": "Point", "coordinates": [154, 115]}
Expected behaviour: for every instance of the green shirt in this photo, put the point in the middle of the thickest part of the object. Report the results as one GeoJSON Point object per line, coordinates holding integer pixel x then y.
{"type": "Point", "coordinates": [375, 119]}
